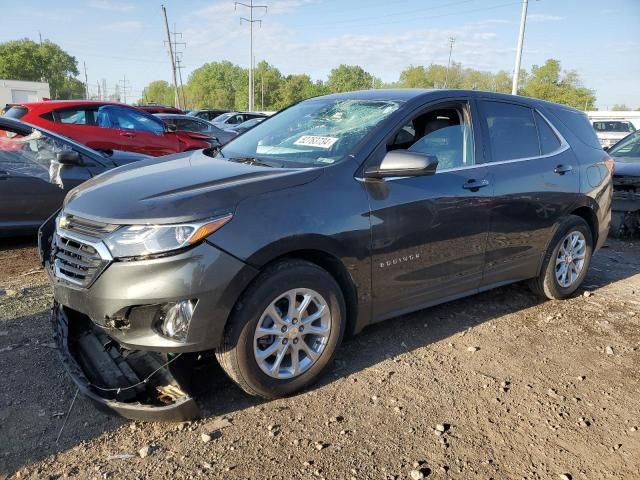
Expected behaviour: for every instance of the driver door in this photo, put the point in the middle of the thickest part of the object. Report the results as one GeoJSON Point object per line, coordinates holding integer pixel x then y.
{"type": "Point", "coordinates": [429, 233]}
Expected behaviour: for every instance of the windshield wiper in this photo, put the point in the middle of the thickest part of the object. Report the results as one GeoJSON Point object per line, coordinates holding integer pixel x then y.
{"type": "Point", "coordinates": [254, 161]}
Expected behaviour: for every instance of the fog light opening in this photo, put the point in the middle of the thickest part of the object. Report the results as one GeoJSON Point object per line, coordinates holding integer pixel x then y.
{"type": "Point", "coordinates": [175, 319]}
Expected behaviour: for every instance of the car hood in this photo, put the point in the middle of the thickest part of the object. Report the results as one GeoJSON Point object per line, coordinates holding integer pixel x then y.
{"type": "Point", "coordinates": [177, 188]}
{"type": "Point", "coordinates": [626, 167]}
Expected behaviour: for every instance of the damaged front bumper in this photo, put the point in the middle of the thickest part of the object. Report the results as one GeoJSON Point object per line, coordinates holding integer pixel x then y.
{"type": "Point", "coordinates": [137, 385]}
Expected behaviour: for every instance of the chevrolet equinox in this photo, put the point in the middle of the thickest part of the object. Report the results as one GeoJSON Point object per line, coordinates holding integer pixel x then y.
{"type": "Point", "coordinates": [338, 212]}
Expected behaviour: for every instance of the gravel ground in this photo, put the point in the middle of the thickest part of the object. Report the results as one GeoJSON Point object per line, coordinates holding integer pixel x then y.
{"type": "Point", "coordinates": [499, 385]}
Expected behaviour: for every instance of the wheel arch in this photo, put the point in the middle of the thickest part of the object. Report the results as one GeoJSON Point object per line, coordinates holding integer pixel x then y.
{"type": "Point", "coordinates": [589, 216]}
{"type": "Point", "coordinates": [337, 269]}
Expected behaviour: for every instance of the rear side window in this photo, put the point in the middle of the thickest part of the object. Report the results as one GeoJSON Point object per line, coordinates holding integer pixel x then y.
{"type": "Point", "coordinates": [549, 141]}
{"type": "Point", "coordinates": [16, 112]}
{"type": "Point", "coordinates": [579, 125]}
{"type": "Point", "coordinates": [512, 131]}
{"type": "Point", "coordinates": [76, 117]}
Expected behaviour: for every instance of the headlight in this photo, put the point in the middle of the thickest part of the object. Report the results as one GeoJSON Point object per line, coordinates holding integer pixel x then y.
{"type": "Point", "coordinates": [143, 240]}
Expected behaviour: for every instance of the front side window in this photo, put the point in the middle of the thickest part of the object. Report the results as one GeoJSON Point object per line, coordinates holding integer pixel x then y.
{"type": "Point", "coordinates": [511, 130]}
{"type": "Point", "coordinates": [127, 119]}
{"type": "Point", "coordinates": [444, 133]}
{"type": "Point", "coordinates": [316, 132]}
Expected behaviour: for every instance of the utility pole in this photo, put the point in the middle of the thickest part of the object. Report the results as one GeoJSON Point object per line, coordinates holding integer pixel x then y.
{"type": "Point", "coordinates": [99, 94]}
{"type": "Point", "coordinates": [452, 40]}
{"type": "Point", "coordinates": [124, 82]}
{"type": "Point", "coordinates": [262, 91]}
{"type": "Point", "coordinates": [178, 61]}
{"type": "Point", "coordinates": [251, 21]}
{"type": "Point", "coordinates": [172, 57]}
{"type": "Point", "coordinates": [516, 70]}
{"type": "Point", "coordinates": [180, 67]}
{"type": "Point", "coordinates": [86, 81]}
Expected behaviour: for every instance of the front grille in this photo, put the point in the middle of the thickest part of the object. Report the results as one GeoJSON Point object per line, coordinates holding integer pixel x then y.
{"type": "Point", "coordinates": [77, 262]}
{"type": "Point", "coordinates": [90, 228]}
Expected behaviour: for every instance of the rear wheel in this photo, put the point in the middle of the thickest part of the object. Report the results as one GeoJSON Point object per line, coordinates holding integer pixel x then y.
{"type": "Point", "coordinates": [566, 261]}
{"type": "Point", "coordinates": [284, 330]}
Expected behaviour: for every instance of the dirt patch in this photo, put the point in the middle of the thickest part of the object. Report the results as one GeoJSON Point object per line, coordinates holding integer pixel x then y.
{"type": "Point", "coordinates": [499, 385]}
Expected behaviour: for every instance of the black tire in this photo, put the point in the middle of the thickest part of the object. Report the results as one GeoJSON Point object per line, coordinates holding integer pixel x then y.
{"type": "Point", "coordinates": [546, 284]}
{"type": "Point", "coordinates": [236, 354]}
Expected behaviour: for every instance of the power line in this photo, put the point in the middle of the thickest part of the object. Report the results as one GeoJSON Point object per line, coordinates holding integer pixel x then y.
{"type": "Point", "coordinates": [410, 13]}
{"type": "Point", "coordinates": [251, 21]}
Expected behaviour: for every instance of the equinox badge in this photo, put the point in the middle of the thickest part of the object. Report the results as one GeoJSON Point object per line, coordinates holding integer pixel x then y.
{"type": "Point", "coordinates": [403, 259]}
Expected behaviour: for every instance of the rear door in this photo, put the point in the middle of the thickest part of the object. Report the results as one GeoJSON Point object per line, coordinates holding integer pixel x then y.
{"type": "Point", "coordinates": [536, 182]}
{"type": "Point", "coordinates": [429, 233]}
{"type": "Point", "coordinates": [138, 132]}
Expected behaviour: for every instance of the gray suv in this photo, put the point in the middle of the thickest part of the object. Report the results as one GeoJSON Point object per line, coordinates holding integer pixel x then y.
{"type": "Point", "coordinates": [336, 213]}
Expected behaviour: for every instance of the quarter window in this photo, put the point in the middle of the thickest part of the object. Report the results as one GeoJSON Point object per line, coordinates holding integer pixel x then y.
{"type": "Point", "coordinates": [549, 141]}
{"type": "Point", "coordinates": [511, 130]}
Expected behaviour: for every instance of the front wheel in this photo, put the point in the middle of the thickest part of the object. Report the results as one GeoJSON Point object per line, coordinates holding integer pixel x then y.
{"type": "Point", "coordinates": [284, 330]}
{"type": "Point", "coordinates": [566, 261]}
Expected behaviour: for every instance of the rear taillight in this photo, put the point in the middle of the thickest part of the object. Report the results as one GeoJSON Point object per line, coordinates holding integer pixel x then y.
{"type": "Point", "coordinates": [610, 164]}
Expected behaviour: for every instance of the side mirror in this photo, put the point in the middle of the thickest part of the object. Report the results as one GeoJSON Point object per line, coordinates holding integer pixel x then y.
{"type": "Point", "coordinates": [69, 157]}
{"type": "Point", "coordinates": [403, 163]}
{"type": "Point", "coordinates": [606, 149]}
{"type": "Point", "coordinates": [171, 127]}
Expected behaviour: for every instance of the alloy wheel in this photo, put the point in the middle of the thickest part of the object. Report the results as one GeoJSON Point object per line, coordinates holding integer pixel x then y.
{"type": "Point", "coordinates": [292, 333]}
{"type": "Point", "coordinates": [570, 259]}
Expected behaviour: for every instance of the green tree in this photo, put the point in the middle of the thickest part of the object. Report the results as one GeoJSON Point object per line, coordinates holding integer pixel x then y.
{"type": "Point", "coordinates": [267, 81]}
{"type": "Point", "coordinates": [218, 85]}
{"type": "Point", "coordinates": [294, 88]}
{"type": "Point", "coordinates": [549, 82]}
{"type": "Point", "coordinates": [27, 60]}
{"type": "Point", "coordinates": [159, 91]}
{"type": "Point", "coordinates": [72, 88]}
{"type": "Point", "coordinates": [346, 78]}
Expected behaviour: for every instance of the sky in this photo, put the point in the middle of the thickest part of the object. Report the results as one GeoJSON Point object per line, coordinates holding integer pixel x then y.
{"type": "Point", "coordinates": [124, 39]}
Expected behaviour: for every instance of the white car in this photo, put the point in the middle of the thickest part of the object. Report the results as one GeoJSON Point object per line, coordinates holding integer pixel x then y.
{"type": "Point", "coordinates": [610, 132]}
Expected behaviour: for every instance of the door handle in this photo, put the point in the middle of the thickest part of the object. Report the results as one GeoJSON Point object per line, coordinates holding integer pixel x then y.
{"type": "Point", "coordinates": [4, 175]}
{"type": "Point", "coordinates": [127, 134]}
{"type": "Point", "coordinates": [562, 169]}
{"type": "Point", "coordinates": [475, 185]}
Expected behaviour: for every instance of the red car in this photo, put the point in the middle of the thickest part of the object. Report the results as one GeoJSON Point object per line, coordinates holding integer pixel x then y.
{"type": "Point", "coordinates": [108, 126]}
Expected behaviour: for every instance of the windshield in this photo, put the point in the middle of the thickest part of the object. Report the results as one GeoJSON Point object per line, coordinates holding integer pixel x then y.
{"type": "Point", "coordinates": [629, 148]}
{"type": "Point", "coordinates": [16, 112]}
{"type": "Point", "coordinates": [222, 118]}
{"type": "Point", "coordinates": [618, 127]}
{"type": "Point", "coordinates": [316, 132]}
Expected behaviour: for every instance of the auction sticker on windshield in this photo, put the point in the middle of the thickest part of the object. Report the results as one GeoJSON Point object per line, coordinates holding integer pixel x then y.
{"type": "Point", "coordinates": [314, 141]}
